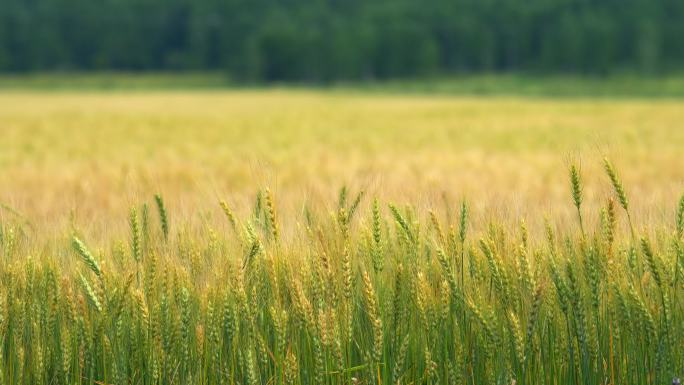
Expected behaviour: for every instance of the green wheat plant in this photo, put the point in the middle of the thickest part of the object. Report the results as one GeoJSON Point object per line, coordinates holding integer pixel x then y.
{"type": "Point", "coordinates": [391, 295]}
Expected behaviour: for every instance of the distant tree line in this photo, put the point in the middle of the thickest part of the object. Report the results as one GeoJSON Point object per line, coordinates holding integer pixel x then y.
{"type": "Point", "coordinates": [321, 40]}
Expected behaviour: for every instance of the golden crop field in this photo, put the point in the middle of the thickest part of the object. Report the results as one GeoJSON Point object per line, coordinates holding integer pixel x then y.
{"type": "Point", "coordinates": [93, 154]}
{"type": "Point", "coordinates": [338, 237]}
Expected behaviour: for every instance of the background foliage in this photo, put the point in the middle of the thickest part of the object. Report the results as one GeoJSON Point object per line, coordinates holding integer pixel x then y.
{"type": "Point", "coordinates": [321, 40]}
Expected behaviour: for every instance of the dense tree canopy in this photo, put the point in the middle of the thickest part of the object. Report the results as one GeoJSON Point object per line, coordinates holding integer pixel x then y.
{"type": "Point", "coordinates": [319, 40]}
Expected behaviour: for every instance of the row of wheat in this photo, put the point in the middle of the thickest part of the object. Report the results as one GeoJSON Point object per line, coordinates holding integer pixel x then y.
{"type": "Point", "coordinates": [353, 298]}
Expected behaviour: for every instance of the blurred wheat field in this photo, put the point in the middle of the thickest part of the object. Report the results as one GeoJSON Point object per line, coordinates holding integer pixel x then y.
{"type": "Point", "coordinates": [88, 155]}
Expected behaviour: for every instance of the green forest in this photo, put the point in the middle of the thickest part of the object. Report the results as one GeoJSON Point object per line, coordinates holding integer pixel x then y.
{"type": "Point", "coordinates": [324, 40]}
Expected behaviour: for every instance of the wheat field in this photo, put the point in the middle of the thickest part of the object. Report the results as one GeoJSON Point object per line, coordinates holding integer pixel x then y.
{"type": "Point", "coordinates": [93, 154]}
{"type": "Point", "coordinates": [310, 237]}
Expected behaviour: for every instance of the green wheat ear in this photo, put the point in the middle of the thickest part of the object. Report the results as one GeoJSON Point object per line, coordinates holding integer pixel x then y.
{"type": "Point", "coordinates": [163, 219]}
{"type": "Point", "coordinates": [86, 255]}
{"type": "Point", "coordinates": [376, 237]}
{"type": "Point", "coordinates": [91, 295]}
{"type": "Point", "coordinates": [576, 186]}
{"type": "Point", "coordinates": [463, 222]}
{"type": "Point", "coordinates": [136, 249]}
{"type": "Point", "coordinates": [617, 184]}
{"type": "Point", "coordinates": [342, 198]}
{"type": "Point", "coordinates": [272, 215]}
{"type": "Point", "coordinates": [620, 192]}
{"type": "Point", "coordinates": [401, 221]}
{"type": "Point", "coordinates": [355, 205]}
